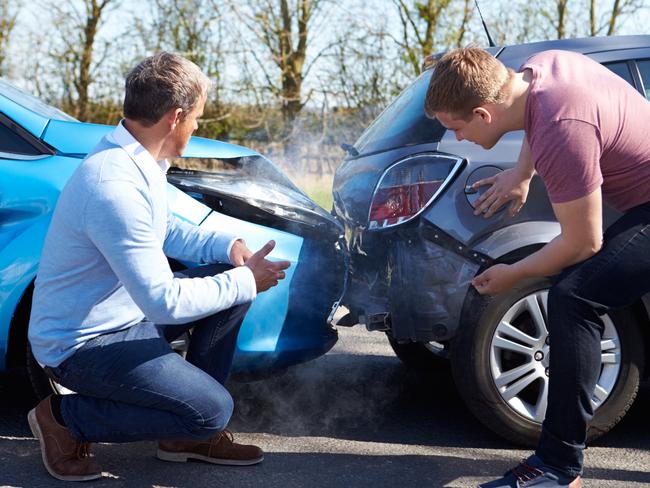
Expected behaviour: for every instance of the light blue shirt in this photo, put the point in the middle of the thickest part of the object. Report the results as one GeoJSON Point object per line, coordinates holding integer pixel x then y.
{"type": "Point", "coordinates": [104, 265]}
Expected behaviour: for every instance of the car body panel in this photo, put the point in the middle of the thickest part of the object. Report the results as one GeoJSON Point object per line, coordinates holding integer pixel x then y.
{"type": "Point", "coordinates": [517, 236]}
{"type": "Point", "coordinates": [514, 56]}
{"type": "Point", "coordinates": [31, 113]}
{"type": "Point", "coordinates": [262, 328]}
{"type": "Point", "coordinates": [71, 137]}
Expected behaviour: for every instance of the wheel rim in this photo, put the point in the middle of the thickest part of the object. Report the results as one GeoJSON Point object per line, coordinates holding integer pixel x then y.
{"type": "Point", "coordinates": [519, 354]}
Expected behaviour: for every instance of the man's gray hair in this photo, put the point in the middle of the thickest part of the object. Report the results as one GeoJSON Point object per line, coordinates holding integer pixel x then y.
{"type": "Point", "coordinates": [160, 83]}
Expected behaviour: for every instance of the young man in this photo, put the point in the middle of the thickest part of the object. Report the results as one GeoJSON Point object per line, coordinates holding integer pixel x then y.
{"type": "Point", "coordinates": [586, 138]}
{"type": "Point", "coordinates": [106, 303]}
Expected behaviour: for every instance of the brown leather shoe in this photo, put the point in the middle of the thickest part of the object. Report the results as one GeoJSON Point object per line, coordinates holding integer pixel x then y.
{"type": "Point", "coordinates": [219, 449]}
{"type": "Point", "coordinates": [64, 457]}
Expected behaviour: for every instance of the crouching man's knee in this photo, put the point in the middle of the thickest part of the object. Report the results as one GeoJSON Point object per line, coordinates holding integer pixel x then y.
{"type": "Point", "coordinates": [213, 417]}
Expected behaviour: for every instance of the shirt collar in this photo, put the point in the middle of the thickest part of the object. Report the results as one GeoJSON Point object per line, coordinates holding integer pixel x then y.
{"type": "Point", "coordinates": [122, 137]}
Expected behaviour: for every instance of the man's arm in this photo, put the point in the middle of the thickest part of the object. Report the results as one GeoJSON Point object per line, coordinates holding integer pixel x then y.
{"type": "Point", "coordinates": [189, 242]}
{"type": "Point", "coordinates": [580, 238]}
{"type": "Point", "coordinates": [118, 222]}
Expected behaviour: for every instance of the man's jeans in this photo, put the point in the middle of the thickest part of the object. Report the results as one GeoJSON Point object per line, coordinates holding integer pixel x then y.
{"type": "Point", "coordinates": [613, 278]}
{"type": "Point", "coordinates": [131, 386]}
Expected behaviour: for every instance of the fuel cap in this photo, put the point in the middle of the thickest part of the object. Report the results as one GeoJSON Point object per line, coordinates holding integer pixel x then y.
{"type": "Point", "coordinates": [476, 175]}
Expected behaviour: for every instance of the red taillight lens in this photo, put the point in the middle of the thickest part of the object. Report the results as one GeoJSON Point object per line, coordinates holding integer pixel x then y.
{"type": "Point", "coordinates": [408, 187]}
{"type": "Point", "coordinates": [395, 203]}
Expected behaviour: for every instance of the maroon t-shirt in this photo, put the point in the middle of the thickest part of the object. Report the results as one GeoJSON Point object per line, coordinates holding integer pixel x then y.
{"type": "Point", "coordinates": [587, 127]}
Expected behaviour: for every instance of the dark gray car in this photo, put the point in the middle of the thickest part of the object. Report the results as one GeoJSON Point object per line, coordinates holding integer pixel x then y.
{"type": "Point", "coordinates": [404, 195]}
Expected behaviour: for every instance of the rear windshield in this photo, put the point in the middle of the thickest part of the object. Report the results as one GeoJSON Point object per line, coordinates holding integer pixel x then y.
{"type": "Point", "coordinates": [403, 123]}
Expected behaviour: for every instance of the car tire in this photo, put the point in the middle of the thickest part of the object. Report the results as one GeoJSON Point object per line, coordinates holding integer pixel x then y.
{"type": "Point", "coordinates": [419, 357]}
{"type": "Point", "coordinates": [41, 383]}
{"type": "Point", "coordinates": [474, 354]}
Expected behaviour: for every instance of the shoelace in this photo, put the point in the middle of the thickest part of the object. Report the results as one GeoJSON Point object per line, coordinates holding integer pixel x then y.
{"type": "Point", "coordinates": [83, 450]}
{"type": "Point", "coordinates": [228, 435]}
{"type": "Point", "coordinates": [525, 472]}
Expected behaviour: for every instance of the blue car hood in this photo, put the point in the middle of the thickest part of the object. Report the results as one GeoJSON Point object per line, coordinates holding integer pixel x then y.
{"type": "Point", "coordinates": [78, 139]}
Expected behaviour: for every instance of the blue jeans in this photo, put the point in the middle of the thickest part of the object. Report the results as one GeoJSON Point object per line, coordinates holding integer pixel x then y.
{"type": "Point", "coordinates": [616, 276]}
{"type": "Point", "coordinates": [130, 385]}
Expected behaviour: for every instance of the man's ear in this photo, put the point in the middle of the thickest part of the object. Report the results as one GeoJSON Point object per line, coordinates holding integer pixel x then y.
{"type": "Point", "coordinates": [174, 117]}
{"type": "Point", "coordinates": [483, 113]}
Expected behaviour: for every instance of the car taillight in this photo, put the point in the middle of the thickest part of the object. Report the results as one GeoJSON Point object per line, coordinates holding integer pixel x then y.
{"type": "Point", "coordinates": [408, 187]}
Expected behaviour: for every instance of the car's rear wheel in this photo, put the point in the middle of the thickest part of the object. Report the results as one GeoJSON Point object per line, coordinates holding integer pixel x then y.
{"type": "Point", "coordinates": [424, 357]}
{"type": "Point", "coordinates": [500, 363]}
{"type": "Point", "coordinates": [41, 383]}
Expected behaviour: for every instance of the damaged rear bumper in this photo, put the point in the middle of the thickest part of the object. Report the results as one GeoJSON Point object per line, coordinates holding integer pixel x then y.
{"type": "Point", "coordinates": [411, 283]}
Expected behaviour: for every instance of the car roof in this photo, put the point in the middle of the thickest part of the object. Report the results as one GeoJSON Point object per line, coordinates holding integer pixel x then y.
{"type": "Point", "coordinates": [71, 137]}
{"type": "Point", "coordinates": [79, 138]}
{"type": "Point", "coordinates": [514, 55]}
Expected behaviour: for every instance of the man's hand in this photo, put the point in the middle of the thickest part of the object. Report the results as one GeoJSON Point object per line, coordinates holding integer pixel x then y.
{"type": "Point", "coordinates": [267, 273]}
{"type": "Point", "coordinates": [508, 186]}
{"type": "Point", "coordinates": [496, 279]}
{"type": "Point", "coordinates": [239, 253]}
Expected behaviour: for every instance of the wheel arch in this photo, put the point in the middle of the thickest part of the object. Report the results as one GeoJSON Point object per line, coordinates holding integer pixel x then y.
{"type": "Point", "coordinates": [17, 339]}
{"type": "Point", "coordinates": [513, 238]}
{"type": "Point", "coordinates": [640, 308]}
{"type": "Point", "coordinates": [641, 311]}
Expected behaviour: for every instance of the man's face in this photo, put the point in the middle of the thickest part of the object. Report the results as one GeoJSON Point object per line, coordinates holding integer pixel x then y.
{"type": "Point", "coordinates": [186, 126]}
{"type": "Point", "coordinates": [479, 128]}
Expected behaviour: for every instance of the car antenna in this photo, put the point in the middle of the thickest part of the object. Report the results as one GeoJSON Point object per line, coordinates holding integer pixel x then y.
{"type": "Point", "coordinates": [492, 44]}
{"type": "Point", "coordinates": [350, 149]}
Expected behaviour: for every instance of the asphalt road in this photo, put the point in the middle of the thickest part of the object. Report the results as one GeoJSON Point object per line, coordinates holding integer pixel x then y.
{"type": "Point", "coordinates": [355, 418]}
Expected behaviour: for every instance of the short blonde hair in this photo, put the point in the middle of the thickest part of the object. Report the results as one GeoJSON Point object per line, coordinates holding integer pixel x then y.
{"type": "Point", "coordinates": [464, 79]}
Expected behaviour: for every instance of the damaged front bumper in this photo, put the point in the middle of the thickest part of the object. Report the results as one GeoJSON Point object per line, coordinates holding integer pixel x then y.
{"type": "Point", "coordinates": [287, 324]}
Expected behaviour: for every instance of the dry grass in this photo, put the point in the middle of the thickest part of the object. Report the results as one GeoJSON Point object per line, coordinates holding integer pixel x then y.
{"type": "Point", "coordinates": [317, 187]}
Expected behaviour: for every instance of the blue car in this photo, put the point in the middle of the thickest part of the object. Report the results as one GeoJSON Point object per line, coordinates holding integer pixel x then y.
{"type": "Point", "coordinates": [289, 324]}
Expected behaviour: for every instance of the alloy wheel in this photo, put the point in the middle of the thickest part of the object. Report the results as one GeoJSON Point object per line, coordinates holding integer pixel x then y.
{"type": "Point", "coordinates": [519, 358]}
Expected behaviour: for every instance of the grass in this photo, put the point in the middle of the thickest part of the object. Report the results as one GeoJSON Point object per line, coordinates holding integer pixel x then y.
{"type": "Point", "coordinates": [318, 188]}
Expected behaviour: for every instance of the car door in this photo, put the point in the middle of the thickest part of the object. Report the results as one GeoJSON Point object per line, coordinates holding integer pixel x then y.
{"type": "Point", "coordinates": [31, 177]}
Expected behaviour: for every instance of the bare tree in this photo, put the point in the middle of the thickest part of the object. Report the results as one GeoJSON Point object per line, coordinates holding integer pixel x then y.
{"type": "Point", "coordinates": [420, 29]}
{"type": "Point", "coordinates": [608, 21]}
{"type": "Point", "coordinates": [74, 52]}
{"type": "Point", "coordinates": [283, 27]}
{"type": "Point", "coordinates": [467, 10]}
{"type": "Point", "coordinates": [183, 26]}
{"type": "Point", "coordinates": [8, 13]}
{"type": "Point", "coordinates": [562, 14]}
{"type": "Point", "coordinates": [193, 28]}
{"type": "Point", "coordinates": [570, 18]}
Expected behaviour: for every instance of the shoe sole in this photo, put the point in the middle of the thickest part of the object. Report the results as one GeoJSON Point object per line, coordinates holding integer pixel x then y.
{"type": "Point", "coordinates": [183, 457]}
{"type": "Point", "coordinates": [36, 431]}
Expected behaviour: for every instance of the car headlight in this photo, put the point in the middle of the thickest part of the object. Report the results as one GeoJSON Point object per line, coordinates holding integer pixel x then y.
{"type": "Point", "coordinates": [409, 186]}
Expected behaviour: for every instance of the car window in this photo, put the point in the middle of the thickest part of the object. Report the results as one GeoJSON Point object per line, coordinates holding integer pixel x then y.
{"type": "Point", "coordinates": [10, 142]}
{"type": "Point", "coordinates": [644, 71]}
{"type": "Point", "coordinates": [403, 123]}
{"type": "Point", "coordinates": [622, 69]}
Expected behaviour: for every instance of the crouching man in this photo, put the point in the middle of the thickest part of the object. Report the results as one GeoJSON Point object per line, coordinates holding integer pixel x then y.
{"type": "Point", "coordinates": [106, 304]}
